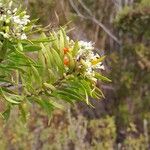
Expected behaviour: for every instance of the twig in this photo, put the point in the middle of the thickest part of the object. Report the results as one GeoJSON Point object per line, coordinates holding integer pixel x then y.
{"type": "Point", "coordinates": [98, 22]}
{"type": "Point", "coordinates": [92, 18]}
{"type": "Point", "coordinates": [76, 10]}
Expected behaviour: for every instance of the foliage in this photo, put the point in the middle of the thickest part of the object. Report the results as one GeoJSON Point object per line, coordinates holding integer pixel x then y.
{"type": "Point", "coordinates": [131, 76]}
{"type": "Point", "coordinates": [68, 132]}
{"type": "Point", "coordinates": [103, 133]}
{"type": "Point", "coordinates": [135, 19]}
{"type": "Point", "coordinates": [44, 69]}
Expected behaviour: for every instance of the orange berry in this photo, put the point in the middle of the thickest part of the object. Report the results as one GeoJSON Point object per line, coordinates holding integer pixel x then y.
{"type": "Point", "coordinates": [66, 61]}
{"type": "Point", "coordinates": [66, 50]}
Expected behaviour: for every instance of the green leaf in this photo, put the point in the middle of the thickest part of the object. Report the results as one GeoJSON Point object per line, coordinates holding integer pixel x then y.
{"type": "Point", "coordinates": [8, 91]}
{"type": "Point", "coordinates": [6, 113]}
{"type": "Point", "coordinates": [49, 58]}
{"type": "Point", "coordinates": [71, 62]}
{"type": "Point", "coordinates": [20, 47]}
{"type": "Point", "coordinates": [25, 57]}
{"type": "Point", "coordinates": [36, 74]}
{"type": "Point", "coordinates": [102, 78]}
{"type": "Point", "coordinates": [66, 42]}
{"type": "Point", "coordinates": [75, 48]}
{"type": "Point", "coordinates": [41, 59]}
{"type": "Point", "coordinates": [74, 92]}
{"type": "Point", "coordinates": [52, 76]}
{"type": "Point", "coordinates": [13, 99]}
{"type": "Point", "coordinates": [23, 113]}
{"type": "Point", "coordinates": [87, 86]}
{"type": "Point", "coordinates": [58, 60]}
{"type": "Point", "coordinates": [86, 97]}
{"type": "Point", "coordinates": [45, 104]}
{"type": "Point", "coordinates": [101, 58]}
{"type": "Point", "coordinates": [71, 96]}
{"type": "Point", "coordinates": [65, 98]}
{"type": "Point", "coordinates": [3, 50]}
{"type": "Point", "coordinates": [61, 40]}
{"type": "Point", "coordinates": [55, 43]}
{"type": "Point", "coordinates": [49, 86]}
{"type": "Point", "coordinates": [31, 48]}
{"type": "Point", "coordinates": [42, 40]}
{"type": "Point", "coordinates": [55, 104]}
{"type": "Point", "coordinates": [45, 52]}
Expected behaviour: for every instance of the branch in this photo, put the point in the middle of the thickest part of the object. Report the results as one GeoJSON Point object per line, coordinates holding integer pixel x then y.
{"type": "Point", "coordinates": [92, 18]}
{"type": "Point", "coordinates": [76, 10]}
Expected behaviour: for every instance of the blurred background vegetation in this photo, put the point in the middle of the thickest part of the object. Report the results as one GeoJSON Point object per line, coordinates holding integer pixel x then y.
{"type": "Point", "coordinates": [121, 28]}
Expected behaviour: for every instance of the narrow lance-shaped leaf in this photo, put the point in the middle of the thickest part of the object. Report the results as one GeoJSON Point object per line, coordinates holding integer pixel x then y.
{"type": "Point", "coordinates": [102, 78]}
{"type": "Point", "coordinates": [6, 113]}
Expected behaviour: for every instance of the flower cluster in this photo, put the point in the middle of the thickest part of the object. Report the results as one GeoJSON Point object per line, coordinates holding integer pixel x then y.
{"type": "Point", "coordinates": [13, 22]}
{"type": "Point", "coordinates": [90, 61]}
{"type": "Point", "coordinates": [87, 61]}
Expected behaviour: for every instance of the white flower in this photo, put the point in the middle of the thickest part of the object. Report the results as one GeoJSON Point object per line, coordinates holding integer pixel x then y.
{"type": "Point", "coordinates": [86, 63]}
{"type": "Point", "coordinates": [9, 12]}
{"type": "Point", "coordinates": [3, 18]}
{"type": "Point", "coordinates": [86, 45]}
{"type": "Point", "coordinates": [21, 21]}
{"type": "Point", "coordinates": [24, 21]}
{"type": "Point", "coordinates": [94, 79]}
{"type": "Point", "coordinates": [90, 72]}
{"type": "Point", "coordinates": [5, 35]}
{"type": "Point", "coordinates": [99, 66]}
{"type": "Point", "coordinates": [17, 22]}
{"type": "Point", "coordinates": [85, 50]}
{"type": "Point", "coordinates": [18, 34]}
{"type": "Point", "coordinates": [15, 10]}
{"type": "Point", "coordinates": [67, 38]}
{"type": "Point", "coordinates": [10, 4]}
{"type": "Point", "coordinates": [16, 19]}
{"type": "Point", "coordinates": [23, 36]}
